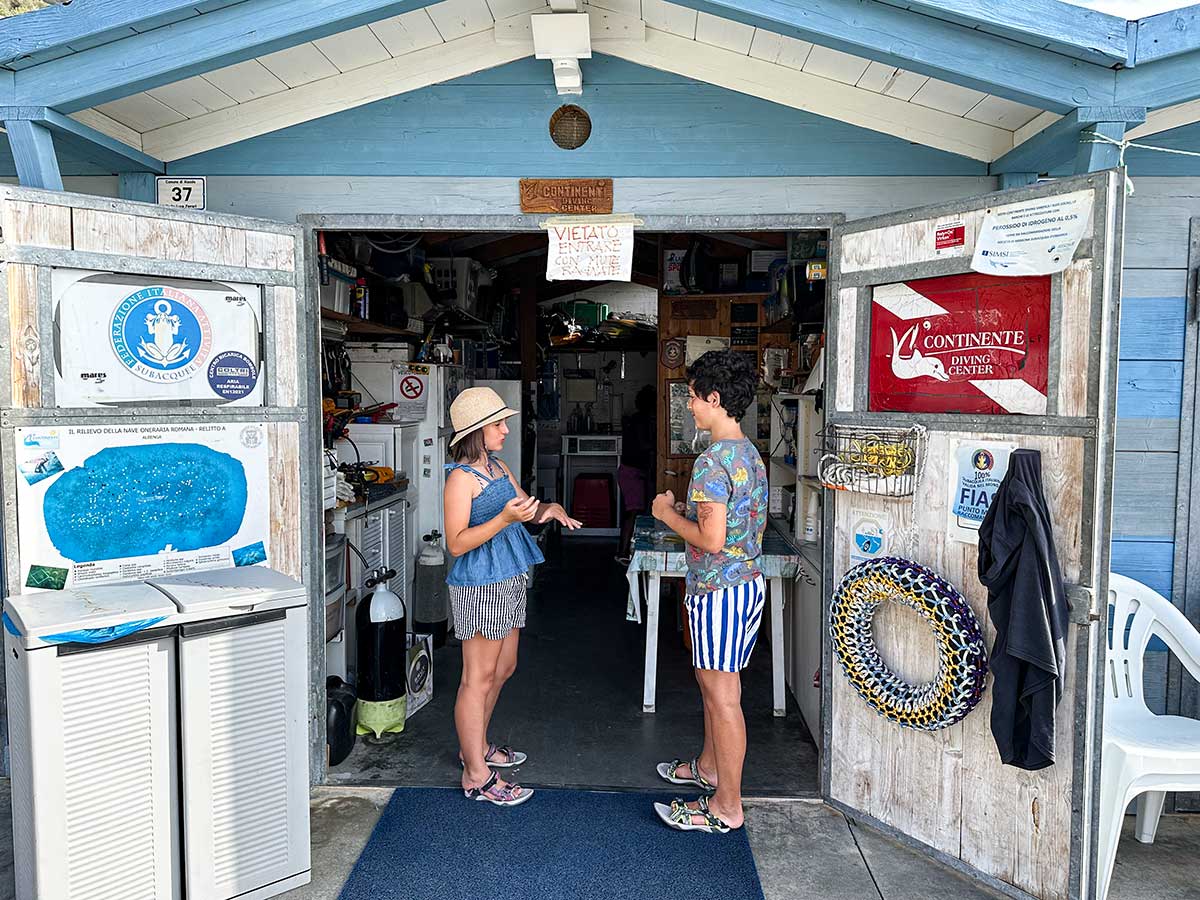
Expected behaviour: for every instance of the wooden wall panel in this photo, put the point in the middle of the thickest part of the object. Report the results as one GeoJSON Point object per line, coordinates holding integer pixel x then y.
{"type": "Point", "coordinates": [25, 336]}
{"type": "Point", "coordinates": [97, 231]}
{"type": "Point", "coordinates": [286, 550]}
{"type": "Point", "coordinates": [38, 224]}
{"type": "Point", "coordinates": [847, 311]}
{"type": "Point", "coordinates": [165, 238]}
{"type": "Point", "coordinates": [908, 242]}
{"type": "Point", "coordinates": [948, 788]}
{"type": "Point", "coordinates": [1075, 336]}
{"type": "Point", "coordinates": [287, 376]}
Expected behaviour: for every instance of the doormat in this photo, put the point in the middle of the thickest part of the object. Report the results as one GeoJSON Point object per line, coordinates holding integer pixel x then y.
{"type": "Point", "coordinates": [434, 844]}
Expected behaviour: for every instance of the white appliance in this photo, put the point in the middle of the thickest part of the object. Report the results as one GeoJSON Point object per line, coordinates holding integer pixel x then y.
{"type": "Point", "coordinates": [592, 454]}
{"type": "Point", "coordinates": [397, 447]}
{"type": "Point", "coordinates": [373, 367]}
{"type": "Point", "coordinates": [428, 477]}
{"type": "Point", "coordinates": [92, 737]}
{"type": "Point", "coordinates": [243, 731]}
{"type": "Point", "coordinates": [510, 393]}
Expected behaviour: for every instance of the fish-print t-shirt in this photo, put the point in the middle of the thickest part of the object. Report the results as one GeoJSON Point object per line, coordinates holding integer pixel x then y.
{"type": "Point", "coordinates": [732, 473]}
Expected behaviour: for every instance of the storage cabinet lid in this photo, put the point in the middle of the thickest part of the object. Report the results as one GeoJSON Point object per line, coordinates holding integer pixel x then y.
{"type": "Point", "coordinates": [222, 592]}
{"type": "Point", "coordinates": [85, 615]}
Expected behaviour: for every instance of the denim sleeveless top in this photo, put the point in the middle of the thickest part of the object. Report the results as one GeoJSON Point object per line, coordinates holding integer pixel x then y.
{"type": "Point", "coordinates": [509, 553]}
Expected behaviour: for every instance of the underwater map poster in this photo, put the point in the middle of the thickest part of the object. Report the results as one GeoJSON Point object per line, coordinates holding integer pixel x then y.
{"type": "Point", "coordinates": [98, 504]}
{"type": "Point", "coordinates": [130, 339]}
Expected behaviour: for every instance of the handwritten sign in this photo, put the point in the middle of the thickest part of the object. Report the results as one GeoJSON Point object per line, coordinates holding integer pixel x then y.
{"type": "Point", "coordinates": [575, 196]}
{"type": "Point", "coordinates": [599, 252]}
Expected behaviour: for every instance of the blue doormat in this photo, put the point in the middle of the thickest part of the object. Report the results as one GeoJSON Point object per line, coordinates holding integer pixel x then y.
{"type": "Point", "coordinates": [434, 844]}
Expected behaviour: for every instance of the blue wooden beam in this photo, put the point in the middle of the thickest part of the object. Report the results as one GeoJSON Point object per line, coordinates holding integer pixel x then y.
{"type": "Point", "coordinates": [1095, 154]}
{"type": "Point", "coordinates": [33, 151]}
{"type": "Point", "coordinates": [1074, 30]}
{"type": "Point", "coordinates": [137, 186]}
{"type": "Point", "coordinates": [1010, 180]}
{"type": "Point", "coordinates": [1163, 83]}
{"type": "Point", "coordinates": [1057, 144]}
{"type": "Point", "coordinates": [1168, 34]}
{"type": "Point", "coordinates": [945, 50]}
{"type": "Point", "coordinates": [85, 141]}
{"type": "Point", "coordinates": [55, 28]}
{"type": "Point", "coordinates": [219, 38]}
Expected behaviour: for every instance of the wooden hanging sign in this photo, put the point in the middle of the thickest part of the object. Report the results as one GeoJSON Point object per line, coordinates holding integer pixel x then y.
{"type": "Point", "coordinates": [573, 196]}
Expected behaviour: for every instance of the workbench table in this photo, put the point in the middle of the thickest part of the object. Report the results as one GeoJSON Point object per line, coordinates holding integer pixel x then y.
{"type": "Point", "coordinates": [659, 553]}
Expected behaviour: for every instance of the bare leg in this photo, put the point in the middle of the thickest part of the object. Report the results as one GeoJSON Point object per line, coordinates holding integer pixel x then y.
{"type": "Point", "coordinates": [723, 700]}
{"type": "Point", "coordinates": [506, 664]}
{"type": "Point", "coordinates": [708, 755]}
{"type": "Point", "coordinates": [479, 675]}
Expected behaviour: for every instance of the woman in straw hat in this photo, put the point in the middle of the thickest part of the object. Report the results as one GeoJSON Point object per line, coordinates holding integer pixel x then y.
{"type": "Point", "coordinates": [484, 511]}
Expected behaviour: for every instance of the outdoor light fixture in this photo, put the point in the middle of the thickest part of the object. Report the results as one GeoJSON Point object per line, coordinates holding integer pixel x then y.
{"type": "Point", "coordinates": [564, 38]}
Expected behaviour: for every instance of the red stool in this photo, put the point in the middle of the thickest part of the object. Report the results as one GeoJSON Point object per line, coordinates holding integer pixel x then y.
{"type": "Point", "coordinates": [591, 500]}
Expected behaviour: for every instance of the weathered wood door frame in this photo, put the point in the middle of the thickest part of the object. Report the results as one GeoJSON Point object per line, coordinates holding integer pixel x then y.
{"type": "Point", "coordinates": [1096, 429]}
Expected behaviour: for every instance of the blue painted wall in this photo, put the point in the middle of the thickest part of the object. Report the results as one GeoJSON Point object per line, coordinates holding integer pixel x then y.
{"type": "Point", "coordinates": [645, 123]}
{"type": "Point", "coordinates": [1150, 162]}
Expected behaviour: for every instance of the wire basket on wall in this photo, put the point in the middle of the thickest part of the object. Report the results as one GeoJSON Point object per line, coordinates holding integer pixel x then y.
{"type": "Point", "coordinates": [872, 460]}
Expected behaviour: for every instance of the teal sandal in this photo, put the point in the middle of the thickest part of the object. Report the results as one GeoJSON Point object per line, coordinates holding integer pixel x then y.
{"type": "Point", "coordinates": [668, 771]}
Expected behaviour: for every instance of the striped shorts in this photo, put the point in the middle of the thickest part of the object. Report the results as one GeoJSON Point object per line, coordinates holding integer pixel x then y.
{"type": "Point", "coordinates": [492, 610]}
{"type": "Point", "coordinates": [724, 625]}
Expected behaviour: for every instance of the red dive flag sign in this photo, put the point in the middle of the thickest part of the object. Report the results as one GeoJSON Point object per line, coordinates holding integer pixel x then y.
{"type": "Point", "coordinates": [961, 344]}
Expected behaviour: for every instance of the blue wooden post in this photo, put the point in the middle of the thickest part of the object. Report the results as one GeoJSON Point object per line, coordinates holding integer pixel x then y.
{"type": "Point", "coordinates": [1094, 155]}
{"type": "Point", "coordinates": [1009, 180]}
{"type": "Point", "coordinates": [137, 186]}
{"type": "Point", "coordinates": [33, 152]}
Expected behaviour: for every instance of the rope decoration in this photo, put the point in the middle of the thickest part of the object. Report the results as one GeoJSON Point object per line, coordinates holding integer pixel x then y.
{"type": "Point", "coordinates": [962, 657]}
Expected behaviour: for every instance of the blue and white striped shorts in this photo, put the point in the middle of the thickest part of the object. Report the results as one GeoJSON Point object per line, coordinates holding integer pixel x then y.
{"type": "Point", "coordinates": [724, 625]}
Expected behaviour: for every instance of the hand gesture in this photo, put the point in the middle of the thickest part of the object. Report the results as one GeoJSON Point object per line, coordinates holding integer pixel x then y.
{"type": "Point", "coordinates": [556, 512]}
{"type": "Point", "coordinates": [518, 510]}
{"type": "Point", "coordinates": [663, 504]}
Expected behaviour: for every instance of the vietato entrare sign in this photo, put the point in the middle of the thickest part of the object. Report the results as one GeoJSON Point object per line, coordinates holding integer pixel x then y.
{"type": "Point", "coordinates": [596, 251]}
{"type": "Point", "coordinates": [960, 344]}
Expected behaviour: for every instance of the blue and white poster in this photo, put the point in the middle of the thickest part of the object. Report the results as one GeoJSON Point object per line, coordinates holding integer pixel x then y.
{"type": "Point", "coordinates": [98, 504]}
{"type": "Point", "coordinates": [128, 340]}
{"type": "Point", "coordinates": [977, 468]}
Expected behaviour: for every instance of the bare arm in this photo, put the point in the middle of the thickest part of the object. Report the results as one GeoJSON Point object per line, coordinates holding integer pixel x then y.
{"type": "Point", "coordinates": [544, 511]}
{"type": "Point", "coordinates": [460, 537]}
{"type": "Point", "coordinates": [707, 533]}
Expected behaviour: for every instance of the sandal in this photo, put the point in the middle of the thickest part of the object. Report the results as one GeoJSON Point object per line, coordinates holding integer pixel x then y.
{"type": "Point", "coordinates": [491, 792]}
{"type": "Point", "coordinates": [679, 816]}
{"type": "Point", "coordinates": [508, 757]}
{"type": "Point", "coordinates": [667, 771]}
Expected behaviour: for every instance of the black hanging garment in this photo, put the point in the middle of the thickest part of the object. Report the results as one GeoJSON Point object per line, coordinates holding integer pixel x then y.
{"type": "Point", "coordinates": [1027, 603]}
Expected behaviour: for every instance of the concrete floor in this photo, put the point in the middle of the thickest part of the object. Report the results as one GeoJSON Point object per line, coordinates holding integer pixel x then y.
{"type": "Point", "coordinates": [575, 703]}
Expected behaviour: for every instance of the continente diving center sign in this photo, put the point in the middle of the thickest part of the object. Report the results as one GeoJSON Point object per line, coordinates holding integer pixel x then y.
{"type": "Point", "coordinates": [960, 344]}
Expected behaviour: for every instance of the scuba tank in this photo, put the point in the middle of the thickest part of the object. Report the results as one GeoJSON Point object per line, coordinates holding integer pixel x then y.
{"type": "Point", "coordinates": [431, 598]}
{"type": "Point", "coordinates": [382, 624]}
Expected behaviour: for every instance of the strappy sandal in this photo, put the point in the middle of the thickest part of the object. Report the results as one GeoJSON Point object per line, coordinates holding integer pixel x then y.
{"type": "Point", "coordinates": [679, 816]}
{"type": "Point", "coordinates": [491, 792]}
{"type": "Point", "coordinates": [667, 771]}
{"type": "Point", "coordinates": [508, 757]}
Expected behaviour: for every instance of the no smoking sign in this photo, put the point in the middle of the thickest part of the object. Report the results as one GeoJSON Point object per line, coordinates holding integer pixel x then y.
{"type": "Point", "coordinates": [411, 396]}
{"type": "Point", "coordinates": [411, 387]}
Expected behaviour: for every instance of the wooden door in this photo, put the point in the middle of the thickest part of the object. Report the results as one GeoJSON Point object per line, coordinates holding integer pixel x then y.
{"type": "Point", "coordinates": [946, 790]}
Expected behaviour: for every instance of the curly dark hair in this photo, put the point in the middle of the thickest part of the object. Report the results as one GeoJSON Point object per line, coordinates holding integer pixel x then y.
{"type": "Point", "coordinates": [730, 373]}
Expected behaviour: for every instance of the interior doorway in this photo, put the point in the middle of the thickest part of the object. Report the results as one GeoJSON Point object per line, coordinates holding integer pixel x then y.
{"type": "Point", "coordinates": [578, 356]}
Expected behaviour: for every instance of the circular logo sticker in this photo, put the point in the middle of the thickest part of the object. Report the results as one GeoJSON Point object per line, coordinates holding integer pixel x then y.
{"type": "Point", "coordinates": [232, 375]}
{"type": "Point", "coordinates": [251, 436]}
{"type": "Point", "coordinates": [983, 460]}
{"type": "Point", "coordinates": [161, 334]}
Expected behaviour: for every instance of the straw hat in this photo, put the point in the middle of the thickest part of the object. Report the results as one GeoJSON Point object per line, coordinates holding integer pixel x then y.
{"type": "Point", "coordinates": [474, 408]}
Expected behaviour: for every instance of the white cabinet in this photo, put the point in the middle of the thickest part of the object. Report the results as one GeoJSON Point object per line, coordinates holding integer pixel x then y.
{"type": "Point", "coordinates": [396, 547]}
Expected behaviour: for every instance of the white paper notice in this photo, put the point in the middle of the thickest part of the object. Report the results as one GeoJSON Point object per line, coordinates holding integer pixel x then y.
{"type": "Point", "coordinates": [1034, 237]}
{"type": "Point", "coordinates": [697, 346]}
{"type": "Point", "coordinates": [583, 252]}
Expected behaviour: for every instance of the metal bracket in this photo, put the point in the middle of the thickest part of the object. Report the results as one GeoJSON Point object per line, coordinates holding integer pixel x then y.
{"type": "Point", "coordinates": [1081, 601]}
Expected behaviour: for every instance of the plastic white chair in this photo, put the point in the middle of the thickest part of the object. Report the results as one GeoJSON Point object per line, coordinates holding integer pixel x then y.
{"type": "Point", "coordinates": [1144, 755]}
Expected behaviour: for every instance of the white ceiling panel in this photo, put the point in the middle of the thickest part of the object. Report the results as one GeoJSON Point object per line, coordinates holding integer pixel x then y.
{"type": "Point", "coordinates": [999, 111]}
{"type": "Point", "coordinates": [670, 18]}
{"type": "Point", "coordinates": [890, 81]}
{"type": "Point", "coordinates": [724, 33]}
{"type": "Point", "coordinates": [246, 81]}
{"type": "Point", "coordinates": [403, 34]}
{"type": "Point", "coordinates": [459, 18]}
{"type": "Point", "coordinates": [905, 85]}
{"type": "Point", "coordinates": [951, 98]}
{"type": "Point", "coordinates": [299, 65]}
{"type": "Point", "coordinates": [776, 48]}
{"type": "Point", "coordinates": [192, 97]}
{"type": "Point", "coordinates": [353, 49]}
{"type": "Point", "coordinates": [625, 7]}
{"type": "Point", "coordinates": [503, 9]}
{"type": "Point", "coordinates": [141, 112]}
{"type": "Point", "coordinates": [835, 65]}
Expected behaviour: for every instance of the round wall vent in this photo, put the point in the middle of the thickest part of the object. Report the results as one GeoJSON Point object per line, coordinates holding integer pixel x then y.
{"type": "Point", "coordinates": [570, 127]}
